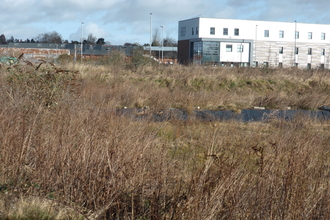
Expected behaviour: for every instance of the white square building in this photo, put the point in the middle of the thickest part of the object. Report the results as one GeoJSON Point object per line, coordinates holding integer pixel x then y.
{"type": "Point", "coordinates": [248, 43]}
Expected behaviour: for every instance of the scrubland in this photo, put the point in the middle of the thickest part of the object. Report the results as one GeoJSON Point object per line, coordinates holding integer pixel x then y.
{"type": "Point", "coordinates": [66, 154]}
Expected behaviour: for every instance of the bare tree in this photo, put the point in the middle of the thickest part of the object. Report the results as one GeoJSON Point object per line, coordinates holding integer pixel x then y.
{"type": "Point", "coordinates": [156, 38]}
{"type": "Point", "coordinates": [11, 39]}
{"type": "Point", "coordinates": [170, 42]}
{"type": "Point", "coordinates": [91, 39]}
{"type": "Point", "coordinates": [50, 37]}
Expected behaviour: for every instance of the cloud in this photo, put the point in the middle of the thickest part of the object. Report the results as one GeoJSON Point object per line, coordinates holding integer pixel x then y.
{"type": "Point", "coordinates": [89, 28]}
{"type": "Point", "coordinates": [122, 20]}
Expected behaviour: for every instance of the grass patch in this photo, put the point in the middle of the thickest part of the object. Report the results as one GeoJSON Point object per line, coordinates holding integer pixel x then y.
{"type": "Point", "coordinates": [81, 160]}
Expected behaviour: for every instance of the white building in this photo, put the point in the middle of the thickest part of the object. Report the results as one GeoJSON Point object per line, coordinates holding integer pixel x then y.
{"type": "Point", "coordinates": [248, 42]}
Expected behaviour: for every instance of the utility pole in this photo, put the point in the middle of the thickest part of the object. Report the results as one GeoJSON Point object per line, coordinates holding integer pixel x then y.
{"type": "Point", "coordinates": [162, 43]}
{"type": "Point", "coordinates": [295, 42]}
{"type": "Point", "coordinates": [81, 42]}
{"type": "Point", "coordinates": [150, 32]}
{"type": "Point", "coordinates": [255, 47]}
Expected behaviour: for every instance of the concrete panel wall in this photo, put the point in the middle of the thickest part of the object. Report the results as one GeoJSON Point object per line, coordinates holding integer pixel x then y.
{"type": "Point", "coordinates": [269, 52]}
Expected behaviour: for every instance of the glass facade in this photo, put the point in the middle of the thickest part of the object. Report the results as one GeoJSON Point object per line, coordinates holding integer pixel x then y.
{"type": "Point", "coordinates": [206, 51]}
{"type": "Point", "coordinates": [197, 54]}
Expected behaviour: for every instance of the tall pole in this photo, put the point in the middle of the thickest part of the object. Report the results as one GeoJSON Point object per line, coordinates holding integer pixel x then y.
{"type": "Point", "coordinates": [241, 53]}
{"type": "Point", "coordinates": [75, 52]}
{"type": "Point", "coordinates": [255, 47]}
{"type": "Point", "coordinates": [150, 32]}
{"type": "Point", "coordinates": [162, 43]}
{"type": "Point", "coordinates": [81, 42]}
{"type": "Point", "coordinates": [295, 42]}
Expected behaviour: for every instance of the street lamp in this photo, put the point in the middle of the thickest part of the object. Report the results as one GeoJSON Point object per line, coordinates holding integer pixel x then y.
{"type": "Point", "coordinates": [295, 42]}
{"type": "Point", "coordinates": [162, 43]}
{"type": "Point", "coordinates": [81, 42]}
{"type": "Point", "coordinates": [150, 32]}
{"type": "Point", "coordinates": [255, 47]}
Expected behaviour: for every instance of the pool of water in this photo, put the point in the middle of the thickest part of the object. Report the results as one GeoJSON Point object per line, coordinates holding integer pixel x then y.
{"type": "Point", "coordinates": [245, 115]}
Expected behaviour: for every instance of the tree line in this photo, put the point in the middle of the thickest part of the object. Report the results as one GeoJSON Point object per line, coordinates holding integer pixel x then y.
{"type": "Point", "coordinates": [56, 38]}
{"type": "Point", "coordinates": [52, 37]}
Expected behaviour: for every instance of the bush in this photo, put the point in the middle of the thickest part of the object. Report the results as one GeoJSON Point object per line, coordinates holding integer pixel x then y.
{"type": "Point", "coordinates": [40, 86]}
{"type": "Point", "coordinates": [65, 59]}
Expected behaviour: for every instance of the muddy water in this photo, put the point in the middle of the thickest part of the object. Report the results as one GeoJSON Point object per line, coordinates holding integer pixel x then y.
{"type": "Point", "coordinates": [245, 115]}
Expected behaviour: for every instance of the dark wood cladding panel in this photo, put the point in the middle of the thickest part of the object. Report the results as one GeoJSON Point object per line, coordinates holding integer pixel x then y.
{"type": "Point", "coordinates": [183, 52]}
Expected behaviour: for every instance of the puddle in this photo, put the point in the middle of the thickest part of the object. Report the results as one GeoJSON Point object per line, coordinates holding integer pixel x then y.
{"type": "Point", "coordinates": [245, 115]}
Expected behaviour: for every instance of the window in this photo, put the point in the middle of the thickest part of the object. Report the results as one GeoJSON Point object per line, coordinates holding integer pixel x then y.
{"type": "Point", "coordinates": [297, 34]}
{"type": "Point", "coordinates": [296, 50]}
{"type": "Point", "coordinates": [229, 48]}
{"type": "Point", "coordinates": [236, 32]}
{"type": "Point", "coordinates": [240, 48]}
{"type": "Point", "coordinates": [281, 50]}
{"type": "Point", "coordinates": [309, 51]}
{"type": "Point", "coordinates": [192, 31]}
{"type": "Point", "coordinates": [196, 30]}
{"type": "Point", "coordinates": [266, 34]}
{"type": "Point", "coordinates": [280, 64]}
{"type": "Point", "coordinates": [281, 34]}
{"type": "Point", "coordinates": [211, 51]}
{"type": "Point", "coordinates": [212, 31]}
{"type": "Point", "coordinates": [322, 36]}
{"type": "Point", "coordinates": [309, 66]}
{"type": "Point", "coordinates": [310, 35]}
{"type": "Point", "coordinates": [183, 31]}
{"type": "Point", "coordinates": [225, 31]}
{"type": "Point", "coordinates": [323, 52]}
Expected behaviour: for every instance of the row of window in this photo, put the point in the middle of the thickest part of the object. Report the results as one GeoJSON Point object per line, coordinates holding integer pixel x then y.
{"type": "Point", "coordinates": [281, 34]}
{"type": "Point", "coordinates": [309, 51]}
{"type": "Point", "coordinates": [193, 31]}
{"type": "Point", "coordinates": [225, 31]}
{"type": "Point", "coordinates": [266, 33]}
{"type": "Point", "coordinates": [309, 65]}
{"type": "Point", "coordinates": [229, 48]}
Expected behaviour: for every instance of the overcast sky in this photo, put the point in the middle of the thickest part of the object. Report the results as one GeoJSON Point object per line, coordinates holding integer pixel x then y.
{"type": "Point", "coordinates": [121, 21]}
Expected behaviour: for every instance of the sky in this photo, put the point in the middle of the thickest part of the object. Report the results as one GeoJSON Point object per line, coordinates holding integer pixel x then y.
{"type": "Point", "coordinates": [128, 21]}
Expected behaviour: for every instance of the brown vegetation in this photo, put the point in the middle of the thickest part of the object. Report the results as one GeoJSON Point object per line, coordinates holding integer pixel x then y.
{"type": "Point", "coordinates": [65, 154]}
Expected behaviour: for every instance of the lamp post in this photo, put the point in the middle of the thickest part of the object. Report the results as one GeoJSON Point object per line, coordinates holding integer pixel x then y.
{"type": "Point", "coordinates": [150, 32]}
{"type": "Point", "coordinates": [81, 42]}
{"type": "Point", "coordinates": [295, 42]}
{"type": "Point", "coordinates": [255, 47]}
{"type": "Point", "coordinates": [241, 50]}
{"type": "Point", "coordinates": [162, 43]}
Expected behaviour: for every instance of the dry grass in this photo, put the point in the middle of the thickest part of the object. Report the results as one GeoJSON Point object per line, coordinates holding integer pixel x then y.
{"type": "Point", "coordinates": [77, 156]}
{"type": "Point", "coordinates": [208, 87]}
